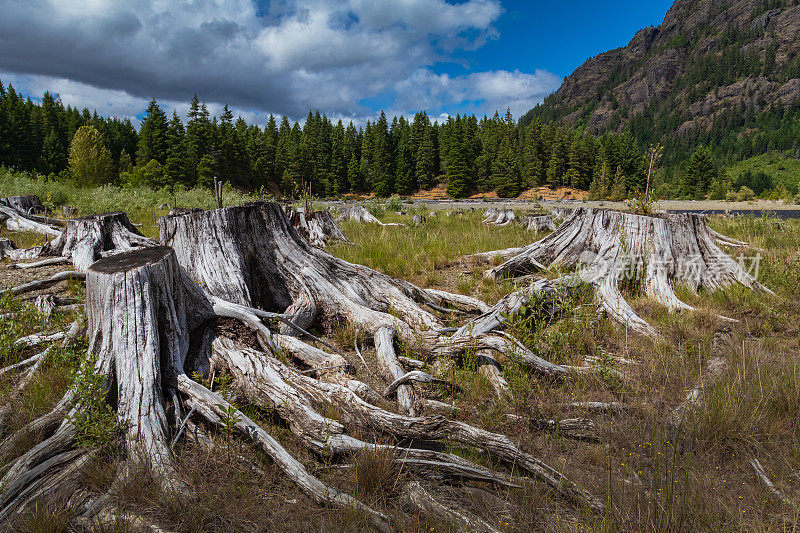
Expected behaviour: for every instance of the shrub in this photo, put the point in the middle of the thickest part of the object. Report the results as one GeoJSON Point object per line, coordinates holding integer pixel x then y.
{"type": "Point", "coordinates": [746, 194]}
{"type": "Point", "coordinates": [96, 422]}
{"type": "Point", "coordinates": [395, 203]}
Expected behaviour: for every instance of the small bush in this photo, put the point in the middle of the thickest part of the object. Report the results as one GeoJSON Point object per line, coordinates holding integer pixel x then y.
{"type": "Point", "coordinates": [95, 420]}
{"type": "Point", "coordinates": [745, 194]}
{"type": "Point", "coordinates": [395, 203]}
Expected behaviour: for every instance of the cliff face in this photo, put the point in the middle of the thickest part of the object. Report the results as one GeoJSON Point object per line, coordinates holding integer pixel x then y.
{"type": "Point", "coordinates": [706, 58]}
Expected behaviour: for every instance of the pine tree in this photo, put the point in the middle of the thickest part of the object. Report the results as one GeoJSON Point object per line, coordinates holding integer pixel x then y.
{"type": "Point", "coordinates": [89, 160]}
{"type": "Point", "coordinates": [618, 191]}
{"type": "Point", "coordinates": [458, 175]}
{"type": "Point", "coordinates": [176, 166]}
{"type": "Point", "coordinates": [153, 135]}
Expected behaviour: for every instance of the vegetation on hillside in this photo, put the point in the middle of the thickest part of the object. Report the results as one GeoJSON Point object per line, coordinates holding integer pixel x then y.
{"type": "Point", "coordinates": [724, 77]}
{"type": "Point", "coordinates": [384, 157]}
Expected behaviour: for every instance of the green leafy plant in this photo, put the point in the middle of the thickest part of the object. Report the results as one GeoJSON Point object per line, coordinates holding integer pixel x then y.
{"type": "Point", "coordinates": [96, 422]}
{"type": "Point", "coordinates": [395, 203]}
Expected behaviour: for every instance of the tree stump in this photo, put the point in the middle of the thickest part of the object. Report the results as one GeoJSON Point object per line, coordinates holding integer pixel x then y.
{"type": "Point", "coordinates": [609, 246]}
{"type": "Point", "coordinates": [6, 245]}
{"type": "Point", "coordinates": [30, 204]}
{"type": "Point", "coordinates": [499, 217]}
{"type": "Point", "coordinates": [537, 223]}
{"type": "Point", "coordinates": [359, 213]}
{"type": "Point", "coordinates": [318, 227]}
{"type": "Point", "coordinates": [140, 311]}
{"type": "Point", "coordinates": [86, 239]}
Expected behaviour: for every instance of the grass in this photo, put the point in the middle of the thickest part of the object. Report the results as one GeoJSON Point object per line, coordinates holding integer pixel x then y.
{"type": "Point", "coordinates": [655, 475]}
{"type": "Point", "coordinates": [420, 254]}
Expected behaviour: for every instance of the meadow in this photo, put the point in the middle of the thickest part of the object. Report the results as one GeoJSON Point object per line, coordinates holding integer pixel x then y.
{"type": "Point", "coordinates": [655, 472]}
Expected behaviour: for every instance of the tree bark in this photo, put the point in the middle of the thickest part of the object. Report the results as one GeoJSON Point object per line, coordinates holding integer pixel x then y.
{"type": "Point", "coordinates": [609, 246]}
{"type": "Point", "coordinates": [318, 227]}
{"type": "Point", "coordinates": [86, 239]}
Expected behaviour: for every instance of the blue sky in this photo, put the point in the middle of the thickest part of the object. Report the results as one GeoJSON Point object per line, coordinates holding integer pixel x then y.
{"type": "Point", "coordinates": [560, 36]}
{"type": "Point", "coordinates": [347, 58]}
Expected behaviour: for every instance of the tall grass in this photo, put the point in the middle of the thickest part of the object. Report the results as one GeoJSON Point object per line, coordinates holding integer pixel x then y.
{"type": "Point", "coordinates": [140, 203]}
{"type": "Point", "coordinates": [422, 252]}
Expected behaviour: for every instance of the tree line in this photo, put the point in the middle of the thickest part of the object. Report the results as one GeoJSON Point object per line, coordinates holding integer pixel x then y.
{"type": "Point", "coordinates": [386, 157]}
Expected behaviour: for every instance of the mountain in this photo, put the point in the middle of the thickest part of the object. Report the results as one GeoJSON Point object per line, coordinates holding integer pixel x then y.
{"type": "Point", "coordinates": [720, 73]}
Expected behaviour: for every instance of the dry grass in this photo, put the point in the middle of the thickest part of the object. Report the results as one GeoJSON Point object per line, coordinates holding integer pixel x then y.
{"type": "Point", "coordinates": [653, 474]}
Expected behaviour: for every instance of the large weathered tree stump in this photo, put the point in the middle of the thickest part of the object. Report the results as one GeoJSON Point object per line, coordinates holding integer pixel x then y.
{"type": "Point", "coordinates": [609, 246]}
{"type": "Point", "coordinates": [86, 239]}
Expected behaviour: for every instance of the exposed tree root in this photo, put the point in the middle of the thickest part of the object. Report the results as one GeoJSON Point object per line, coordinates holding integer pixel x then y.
{"type": "Point", "coordinates": [38, 285]}
{"type": "Point", "coordinates": [418, 498]}
{"type": "Point", "coordinates": [611, 246]}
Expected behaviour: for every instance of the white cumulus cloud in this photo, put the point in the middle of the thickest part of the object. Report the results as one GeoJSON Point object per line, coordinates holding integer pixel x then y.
{"type": "Point", "coordinates": [281, 57]}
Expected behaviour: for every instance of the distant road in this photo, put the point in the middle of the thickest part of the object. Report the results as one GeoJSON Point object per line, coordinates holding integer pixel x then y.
{"type": "Point", "coordinates": [777, 213]}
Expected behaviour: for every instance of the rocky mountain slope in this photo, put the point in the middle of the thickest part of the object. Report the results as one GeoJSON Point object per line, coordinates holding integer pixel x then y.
{"type": "Point", "coordinates": [711, 63]}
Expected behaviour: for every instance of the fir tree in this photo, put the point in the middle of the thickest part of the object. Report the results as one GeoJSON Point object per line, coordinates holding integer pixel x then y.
{"type": "Point", "coordinates": [153, 135]}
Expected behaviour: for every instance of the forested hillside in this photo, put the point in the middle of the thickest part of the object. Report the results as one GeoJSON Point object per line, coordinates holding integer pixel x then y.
{"type": "Point", "coordinates": [724, 75]}
{"type": "Point", "coordinates": [385, 157]}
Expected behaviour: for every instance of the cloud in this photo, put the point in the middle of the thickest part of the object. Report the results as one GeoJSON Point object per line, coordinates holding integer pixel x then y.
{"type": "Point", "coordinates": [480, 92]}
{"type": "Point", "coordinates": [282, 57]}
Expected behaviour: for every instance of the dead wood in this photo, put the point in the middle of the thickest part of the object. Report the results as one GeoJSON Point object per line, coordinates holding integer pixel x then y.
{"type": "Point", "coordinates": [537, 223]}
{"type": "Point", "coordinates": [610, 246]}
{"type": "Point", "coordinates": [318, 227]}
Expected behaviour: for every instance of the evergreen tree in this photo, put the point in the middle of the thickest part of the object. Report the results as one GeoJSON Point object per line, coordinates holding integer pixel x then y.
{"type": "Point", "coordinates": [405, 162]}
{"type": "Point", "coordinates": [153, 135]}
{"type": "Point", "coordinates": [618, 191]}
{"type": "Point", "coordinates": [89, 160]}
{"type": "Point", "coordinates": [176, 166]}
{"type": "Point", "coordinates": [699, 174]}
{"type": "Point", "coordinates": [506, 177]}
{"type": "Point", "coordinates": [199, 141]}
{"type": "Point", "coordinates": [425, 162]}
{"type": "Point", "coordinates": [125, 162]}
{"type": "Point", "coordinates": [458, 174]}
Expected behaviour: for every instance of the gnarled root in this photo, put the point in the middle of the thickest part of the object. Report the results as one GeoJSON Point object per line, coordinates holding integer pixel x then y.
{"type": "Point", "coordinates": [608, 246]}
{"type": "Point", "coordinates": [299, 398]}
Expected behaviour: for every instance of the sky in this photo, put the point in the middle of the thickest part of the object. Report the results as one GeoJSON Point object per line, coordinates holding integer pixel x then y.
{"type": "Point", "coordinates": [349, 59]}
